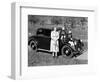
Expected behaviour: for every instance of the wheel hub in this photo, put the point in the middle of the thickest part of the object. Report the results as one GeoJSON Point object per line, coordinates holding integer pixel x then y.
{"type": "Point", "coordinates": [66, 51]}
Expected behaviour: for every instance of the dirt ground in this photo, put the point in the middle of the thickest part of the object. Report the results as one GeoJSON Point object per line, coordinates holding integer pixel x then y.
{"type": "Point", "coordinates": [45, 59]}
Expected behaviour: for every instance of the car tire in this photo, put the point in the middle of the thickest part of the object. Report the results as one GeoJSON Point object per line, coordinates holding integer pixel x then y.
{"type": "Point", "coordinates": [66, 51]}
{"type": "Point", "coordinates": [33, 44]}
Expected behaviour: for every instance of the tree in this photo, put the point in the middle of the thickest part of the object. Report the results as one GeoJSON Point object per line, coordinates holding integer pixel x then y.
{"type": "Point", "coordinates": [70, 22]}
{"type": "Point", "coordinates": [56, 20]}
{"type": "Point", "coordinates": [33, 19]}
{"type": "Point", "coordinates": [84, 20]}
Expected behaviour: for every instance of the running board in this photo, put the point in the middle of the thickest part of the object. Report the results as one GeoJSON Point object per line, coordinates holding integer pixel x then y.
{"type": "Point", "coordinates": [43, 50]}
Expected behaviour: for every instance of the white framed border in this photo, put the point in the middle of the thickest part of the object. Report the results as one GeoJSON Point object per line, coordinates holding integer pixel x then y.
{"type": "Point", "coordinates": [20, 69]}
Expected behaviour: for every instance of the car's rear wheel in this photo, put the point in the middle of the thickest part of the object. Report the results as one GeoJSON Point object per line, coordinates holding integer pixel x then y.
{"type": "Point", "coordinates": [33, 44]}
{"type": "Point", "coordinates": [66, 51]}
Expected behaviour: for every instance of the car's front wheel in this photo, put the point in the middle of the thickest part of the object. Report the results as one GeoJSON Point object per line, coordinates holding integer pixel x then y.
{"type": "Point", "coordinates": [66, 51]}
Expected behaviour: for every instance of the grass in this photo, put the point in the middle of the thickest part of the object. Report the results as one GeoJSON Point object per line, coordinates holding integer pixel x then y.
{"type": "Point", "coordinates": [45, 59]}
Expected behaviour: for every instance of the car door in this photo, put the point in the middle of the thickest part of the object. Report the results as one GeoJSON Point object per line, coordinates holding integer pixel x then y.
{"type": "Point", "coordinates": [43, 42]}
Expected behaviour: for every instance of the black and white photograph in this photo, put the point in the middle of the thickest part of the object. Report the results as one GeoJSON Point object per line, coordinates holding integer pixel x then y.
{"type": "Point", "coordinates": [57, 40]}
{"type": "Point", "coordinates": [53, 41]}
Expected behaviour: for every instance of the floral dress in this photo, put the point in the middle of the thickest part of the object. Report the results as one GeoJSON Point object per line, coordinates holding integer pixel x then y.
{"type": "Point", "coordinates": [54, 45]}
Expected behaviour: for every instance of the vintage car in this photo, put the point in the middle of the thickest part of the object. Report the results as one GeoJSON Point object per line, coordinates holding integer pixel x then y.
{"type": "Point", "coordinates": [41, 43]}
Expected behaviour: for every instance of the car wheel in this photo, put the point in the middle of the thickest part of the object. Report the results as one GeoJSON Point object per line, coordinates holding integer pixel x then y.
{"type": "Point", "coordinates": [66, 51]}
{"type": "Point", "coordinates": [33, 44]}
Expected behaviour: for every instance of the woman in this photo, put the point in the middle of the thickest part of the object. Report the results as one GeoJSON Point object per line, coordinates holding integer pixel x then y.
{"type": "Point", "coordinates": [54, 46]}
